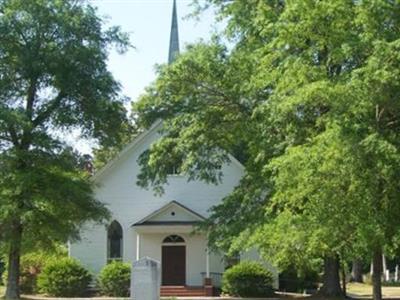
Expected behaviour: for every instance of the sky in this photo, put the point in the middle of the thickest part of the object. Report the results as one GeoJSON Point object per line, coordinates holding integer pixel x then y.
{"type": "Point", "coordinates": [148, 22]}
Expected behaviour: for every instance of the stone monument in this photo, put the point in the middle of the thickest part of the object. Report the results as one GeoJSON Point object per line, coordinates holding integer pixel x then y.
{"type": "Point", "coordinates": [146, 279]}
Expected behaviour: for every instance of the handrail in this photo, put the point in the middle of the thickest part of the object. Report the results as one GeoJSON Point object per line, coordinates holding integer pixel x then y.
{"type": "Point", "coordinates": [216, 278]}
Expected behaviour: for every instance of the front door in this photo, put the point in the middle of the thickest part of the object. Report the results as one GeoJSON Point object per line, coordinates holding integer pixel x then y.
{"type": "Point", "coordinates": [173, 265]}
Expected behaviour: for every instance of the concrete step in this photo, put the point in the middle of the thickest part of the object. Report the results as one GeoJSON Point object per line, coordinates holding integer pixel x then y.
{"type": "Point", "coordinates": [181, 291]}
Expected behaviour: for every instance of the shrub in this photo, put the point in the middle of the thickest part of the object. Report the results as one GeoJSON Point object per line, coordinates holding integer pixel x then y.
{"type": "Point", "coordinates": [247, 279]}
{"type": "Point", "coordinates": [30, 266]}
{"type": "Point", "coordinates": [291, 280]}
{"type": "Point", "coordinates": [64, 277]}
{"type": "Point", "coordinates": [114, 279]}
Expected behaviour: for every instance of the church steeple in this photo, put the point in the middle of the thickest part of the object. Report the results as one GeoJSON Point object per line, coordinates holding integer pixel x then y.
{"type": "Point", "coordinates": [174, 37]}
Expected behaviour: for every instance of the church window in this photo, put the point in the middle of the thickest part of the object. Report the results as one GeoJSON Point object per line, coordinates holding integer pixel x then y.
{"type": "Point", "coordinates": [173, 239]}
{"type": "Point", "coordinates": [114, 241]}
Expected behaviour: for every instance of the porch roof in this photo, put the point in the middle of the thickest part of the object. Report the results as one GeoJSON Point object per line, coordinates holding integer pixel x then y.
{"type": "Point", "coordinates": [157, 218]}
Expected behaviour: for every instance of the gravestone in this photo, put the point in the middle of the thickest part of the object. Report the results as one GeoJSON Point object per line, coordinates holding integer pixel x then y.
{"type": "Point", "coordinates": [146, 279]}
{"type": "Point", "coordinates": [387, 275]}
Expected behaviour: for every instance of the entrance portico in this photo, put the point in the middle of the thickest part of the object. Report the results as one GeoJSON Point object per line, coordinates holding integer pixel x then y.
{"type": "Point", "coordinates": [167, 235]}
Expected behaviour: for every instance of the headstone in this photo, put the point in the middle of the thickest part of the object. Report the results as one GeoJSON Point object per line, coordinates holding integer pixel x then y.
{"type": "Point", "coordinates": [146, 279]}
{"type": "Point", "coordinates": [396, 273]}
{"type": "Point", "coordinates": [387, 275]}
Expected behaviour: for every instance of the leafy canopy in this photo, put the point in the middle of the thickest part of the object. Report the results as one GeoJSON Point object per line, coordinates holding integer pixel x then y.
{"type": "Point", "coordinates": [307, 99]}
{"type": "Point", "coordinates": [54, 80]}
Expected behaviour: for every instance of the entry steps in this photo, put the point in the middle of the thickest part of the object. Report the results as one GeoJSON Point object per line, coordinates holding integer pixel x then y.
{"type": "Point", "coordinates": [182, 291]}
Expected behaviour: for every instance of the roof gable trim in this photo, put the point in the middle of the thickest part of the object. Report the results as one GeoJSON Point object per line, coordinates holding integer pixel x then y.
{"type": "Point", "coordinates": [159, 211]}
{"type": "Point", "coordinates": [136, 141]}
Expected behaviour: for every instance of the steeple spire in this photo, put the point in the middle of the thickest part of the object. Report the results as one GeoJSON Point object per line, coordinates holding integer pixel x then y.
{"type": "Point", "coordinates": [174, 37]}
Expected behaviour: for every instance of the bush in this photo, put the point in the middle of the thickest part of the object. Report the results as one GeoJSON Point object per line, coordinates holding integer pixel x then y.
{"type": "Point", "coordinates": [30, 266]}
{"type": "Point", "coordinates": [247, 279]}
{"type": "Point", "coordinates": [114, 279]}
{"type": "Point", "coordinates": [64, 278]}
{"type": "Point", "coordinates": [291, 281]}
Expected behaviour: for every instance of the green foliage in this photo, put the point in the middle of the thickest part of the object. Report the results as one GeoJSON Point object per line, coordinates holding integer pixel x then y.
{"type": "Point", "coordinates": [31, 265]}
{"type": "Point", "coordinates": [309, 93]}
{"type": "Point", "coordinates": [290, 280]}
{"type": "Point", "coordinates": [114, 279]}
{"type": "Point", "coordinates": [54, 81]}
{"type": "Point", "coordinates": [64, 278]}
{"type": "Point", "coordinates": [107, 153]}
{"type": "Point", "coordinates": [197, 143]}
{"type": "Point", "coordinates": [247, 279]}
{"type": "Point", "coordinates": [391, 283]}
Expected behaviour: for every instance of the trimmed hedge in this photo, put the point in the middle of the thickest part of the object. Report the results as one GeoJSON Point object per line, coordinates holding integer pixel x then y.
{"type": "Point", "coordinates": [247, 279]}
{"type": "Point", "coordinates": [64, 278]}
{"type": "Point", "coordinates": [115, 279]}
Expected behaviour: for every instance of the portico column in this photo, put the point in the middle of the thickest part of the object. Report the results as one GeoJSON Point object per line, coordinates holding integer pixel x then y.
{"type": "Point", "coordinates": [208, 288]}
{"type": "Point", "coordinates": [137, 246]}
{"type": "Point", "coordinates": [207, 263]}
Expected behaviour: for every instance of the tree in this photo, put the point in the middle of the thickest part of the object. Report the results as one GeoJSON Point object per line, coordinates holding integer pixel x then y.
{"type": "Point", "coordinates": [302, 78]}
{"type": "Point", "coordinates": [203, 109]}
{"type": "Point", "coordinates": [375, 88]}
{"type": "Point", "coordinates": [54, 79]}
{"type": "Point", "coordinates": [356, 270]}
{"type": "Point", "coordinates": [106, 153]}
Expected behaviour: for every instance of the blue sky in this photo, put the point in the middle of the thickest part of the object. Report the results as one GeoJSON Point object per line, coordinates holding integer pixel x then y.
{"type": "Point", "coordinates": [149, 23]}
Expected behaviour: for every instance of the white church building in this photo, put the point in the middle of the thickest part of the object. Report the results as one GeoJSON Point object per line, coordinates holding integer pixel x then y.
{"type": "Point", "coordinates": [159, 227]}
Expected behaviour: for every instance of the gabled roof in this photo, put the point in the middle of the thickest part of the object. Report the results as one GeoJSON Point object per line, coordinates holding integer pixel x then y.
{"type": "Point", "coordinates": [126, 150]}
{"type": "Point", "coordinates": [135, 142]}
{"type": "Point", "coordinates": [154, 217]}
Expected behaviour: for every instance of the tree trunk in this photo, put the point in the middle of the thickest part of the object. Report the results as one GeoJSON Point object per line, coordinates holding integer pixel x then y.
{"type": "Point", "coordinates": [331, 279]}
{"type": "Point", "coordinates": [12, 291]}
{"type": "Point", "coordinates": [356, 271]}
{"type": "Point", "coordinates": [377, 275]}
{"type": "Point", "coordinates": [344, 287]}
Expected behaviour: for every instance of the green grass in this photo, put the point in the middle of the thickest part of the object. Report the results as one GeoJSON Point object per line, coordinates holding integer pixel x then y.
{"type": "Point", "coordinates": [365, 290]}
{"type": "Point", "coordinates": [360, 290]}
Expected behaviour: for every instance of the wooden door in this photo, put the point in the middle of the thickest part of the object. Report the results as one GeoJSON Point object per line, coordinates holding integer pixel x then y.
{"type": "Point", "coordinates": [173, 265]}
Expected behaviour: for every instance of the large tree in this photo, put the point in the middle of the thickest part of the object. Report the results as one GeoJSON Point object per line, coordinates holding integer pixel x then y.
{"type": "Point", "coordinates": [54, 80]}
{"type": "Point", "coordinates": [302, 79]}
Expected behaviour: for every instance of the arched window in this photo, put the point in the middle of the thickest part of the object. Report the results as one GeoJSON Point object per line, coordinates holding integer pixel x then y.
{"type": "Point", "coordinates": [114, 241]}
{"type": "Point", "coordinates": [173, 239]}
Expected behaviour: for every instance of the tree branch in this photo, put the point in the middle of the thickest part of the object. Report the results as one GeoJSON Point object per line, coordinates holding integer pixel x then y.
{"type": "Point", "coordinates": [40, 119]}
{"type": "Point", "coordinates": [51, 107]}
{"type": "Point", "coordinates": [13, 135]}
{"type": "Point", "coordinates": [30, 100]}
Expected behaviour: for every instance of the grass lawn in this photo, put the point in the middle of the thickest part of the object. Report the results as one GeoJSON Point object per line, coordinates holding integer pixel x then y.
{"type": "Point", "coordinates": [365, 290]}
{"type": "Point", "coordinates": [356, 289]}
